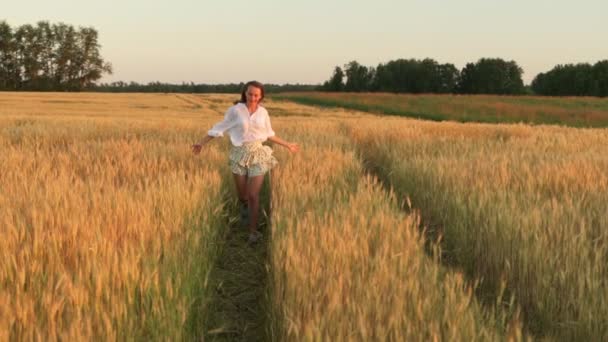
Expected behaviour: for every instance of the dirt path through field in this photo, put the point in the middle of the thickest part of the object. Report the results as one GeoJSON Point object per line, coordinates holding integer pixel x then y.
{"type": "Point", "coordinates": [239, 279]}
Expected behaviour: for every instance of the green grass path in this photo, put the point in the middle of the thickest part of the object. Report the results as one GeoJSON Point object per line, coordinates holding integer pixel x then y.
{"type": "Point", "coordinates": [237, 311]}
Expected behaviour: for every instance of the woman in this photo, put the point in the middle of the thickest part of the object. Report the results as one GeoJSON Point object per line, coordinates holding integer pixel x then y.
{"type": "Point", "coordinates": [248, 125]}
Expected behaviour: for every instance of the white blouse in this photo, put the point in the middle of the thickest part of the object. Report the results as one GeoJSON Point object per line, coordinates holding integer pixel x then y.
{"type": "Point", "coordinates": [243, 127]}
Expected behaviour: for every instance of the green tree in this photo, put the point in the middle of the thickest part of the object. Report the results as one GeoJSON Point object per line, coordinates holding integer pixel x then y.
{"type": "Point", "coordinates": [581, 79]}
{"type": "Point", "coordinates": [65, 56]}
{"type": "Point", "coordinates": [88, 62]}
{"type": "Point", "coordinates": [10, 73]}
{"type": "Point", "coordinates": [358, 77]}
{"type": "Point", "coordinates": [46, 55]}
{"type": "Point", "coordinates": [49, 57]}
{"type": "Point", "coordinates": [447, 76]}
{"type": "Point", "coordinates": [30, 48]}
{"type": "Point", "coordinates": [336, 82]}
{"type": "Point", "coordinates": [413, 76]}
{"type": "Point", "coordinates": [491, 76]}
{"type": "Point", "coordinates": [600, 77]}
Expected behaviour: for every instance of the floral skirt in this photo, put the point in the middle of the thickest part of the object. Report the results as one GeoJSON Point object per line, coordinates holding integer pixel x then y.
{"type": "Point", "coordinates": [251, 159]}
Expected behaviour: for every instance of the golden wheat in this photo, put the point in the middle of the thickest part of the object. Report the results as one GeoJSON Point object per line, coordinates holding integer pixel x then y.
{"type": "Point", "coordinates": [519, 203]}
{"type": "Point", "coordinates": [101, 199]}
{"type": "Point", "coordinates": [110, 224]}
{"type": "Point", "coordinates": [348, 264]}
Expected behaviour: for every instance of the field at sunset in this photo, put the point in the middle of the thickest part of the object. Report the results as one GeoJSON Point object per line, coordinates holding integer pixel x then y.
{"type": "Point", "coordinates": [569, 111]}
{"type": "Point", "coordinates": [381, 227]}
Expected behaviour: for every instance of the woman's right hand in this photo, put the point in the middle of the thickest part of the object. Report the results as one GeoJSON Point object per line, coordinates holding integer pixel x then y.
{"type": "Point", "coordinates": [293, 148]}
{"type": "Point", "coordinates": [196, 148]}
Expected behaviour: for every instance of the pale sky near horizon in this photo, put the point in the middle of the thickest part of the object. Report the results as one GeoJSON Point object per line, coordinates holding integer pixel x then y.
{"type": "Point", "coordinates": [301, 42]}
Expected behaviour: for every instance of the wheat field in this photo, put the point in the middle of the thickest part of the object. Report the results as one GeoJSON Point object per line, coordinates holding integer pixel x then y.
{"type": "Point", "coordinates": [381, 228]}
{"type": "Point", "coordinates": [570, 111]}
{"type": "Point", "coordinates": [516, 204]}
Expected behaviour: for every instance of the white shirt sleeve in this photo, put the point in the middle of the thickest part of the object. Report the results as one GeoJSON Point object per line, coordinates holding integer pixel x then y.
{"type": "Point", "coordinates": [269, 131]}
{"type": "Point", "coordinates": [230, 118]}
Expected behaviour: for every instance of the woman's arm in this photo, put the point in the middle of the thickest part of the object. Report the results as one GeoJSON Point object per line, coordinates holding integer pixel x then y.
{"type": "Point", "coordinates": [290, 146]}
{"type": "Point", "coordinates": [272, 137]}
{"type": "Point", "coordinates": [196, 148]}
{"type": "Point", "coordinates": [216, 131]}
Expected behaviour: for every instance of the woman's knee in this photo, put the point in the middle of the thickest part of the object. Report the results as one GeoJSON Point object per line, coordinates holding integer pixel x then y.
{"type": "Point", "coordinates": [253, 198]}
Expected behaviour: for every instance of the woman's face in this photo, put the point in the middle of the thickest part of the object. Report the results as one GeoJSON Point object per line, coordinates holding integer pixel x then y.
{"type": "Point", "coordinates": [253, 94]}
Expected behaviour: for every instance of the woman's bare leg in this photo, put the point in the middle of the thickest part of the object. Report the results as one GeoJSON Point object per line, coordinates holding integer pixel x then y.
{"type": "Point", "coordinates": [253, 198]}
{"type": "Point", "coordinates": [241, 187]}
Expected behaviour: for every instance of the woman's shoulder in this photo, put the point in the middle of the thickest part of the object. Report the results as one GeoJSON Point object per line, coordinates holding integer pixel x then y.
{"type": "Point", "coordinates": [235, 108]}
{"type": "Point", "coordinates": [262, 109]}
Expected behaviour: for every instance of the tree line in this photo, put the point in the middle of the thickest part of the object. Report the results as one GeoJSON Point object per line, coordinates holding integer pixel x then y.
{"type": "Point", "coordinates": [159, 87]}
{"type": "Point", "coordinates": [49, 57]}
{"type": "Point", "coordinates": [574, 80]}
{"type": "Point", "coordinates": [59, 57]}
{"type": "Point", "coordinates": [486, 76]}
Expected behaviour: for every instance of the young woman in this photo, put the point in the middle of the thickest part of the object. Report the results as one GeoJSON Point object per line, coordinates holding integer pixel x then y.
{"type": "Point", "coordinates": [248, 125]}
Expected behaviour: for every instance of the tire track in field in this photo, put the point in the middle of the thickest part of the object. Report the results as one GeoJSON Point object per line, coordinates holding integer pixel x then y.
{"type": "Point", "coordinates": [434, 244]}
{"type": "Point", "coordinates": [239, 278]}
{"type": "Point", "coordinates": [188, 99]}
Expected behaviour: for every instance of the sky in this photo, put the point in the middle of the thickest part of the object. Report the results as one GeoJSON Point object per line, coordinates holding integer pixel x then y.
{"type": "Point", "coordinates": [287, 41]}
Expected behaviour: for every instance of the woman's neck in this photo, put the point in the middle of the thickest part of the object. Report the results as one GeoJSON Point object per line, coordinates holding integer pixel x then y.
{"type": "Point", "coordinates": [251, 107]}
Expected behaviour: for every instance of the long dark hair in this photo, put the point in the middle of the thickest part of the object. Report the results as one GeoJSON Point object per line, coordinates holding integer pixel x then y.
{"type": "Point", "coordinates": [253, 84]}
